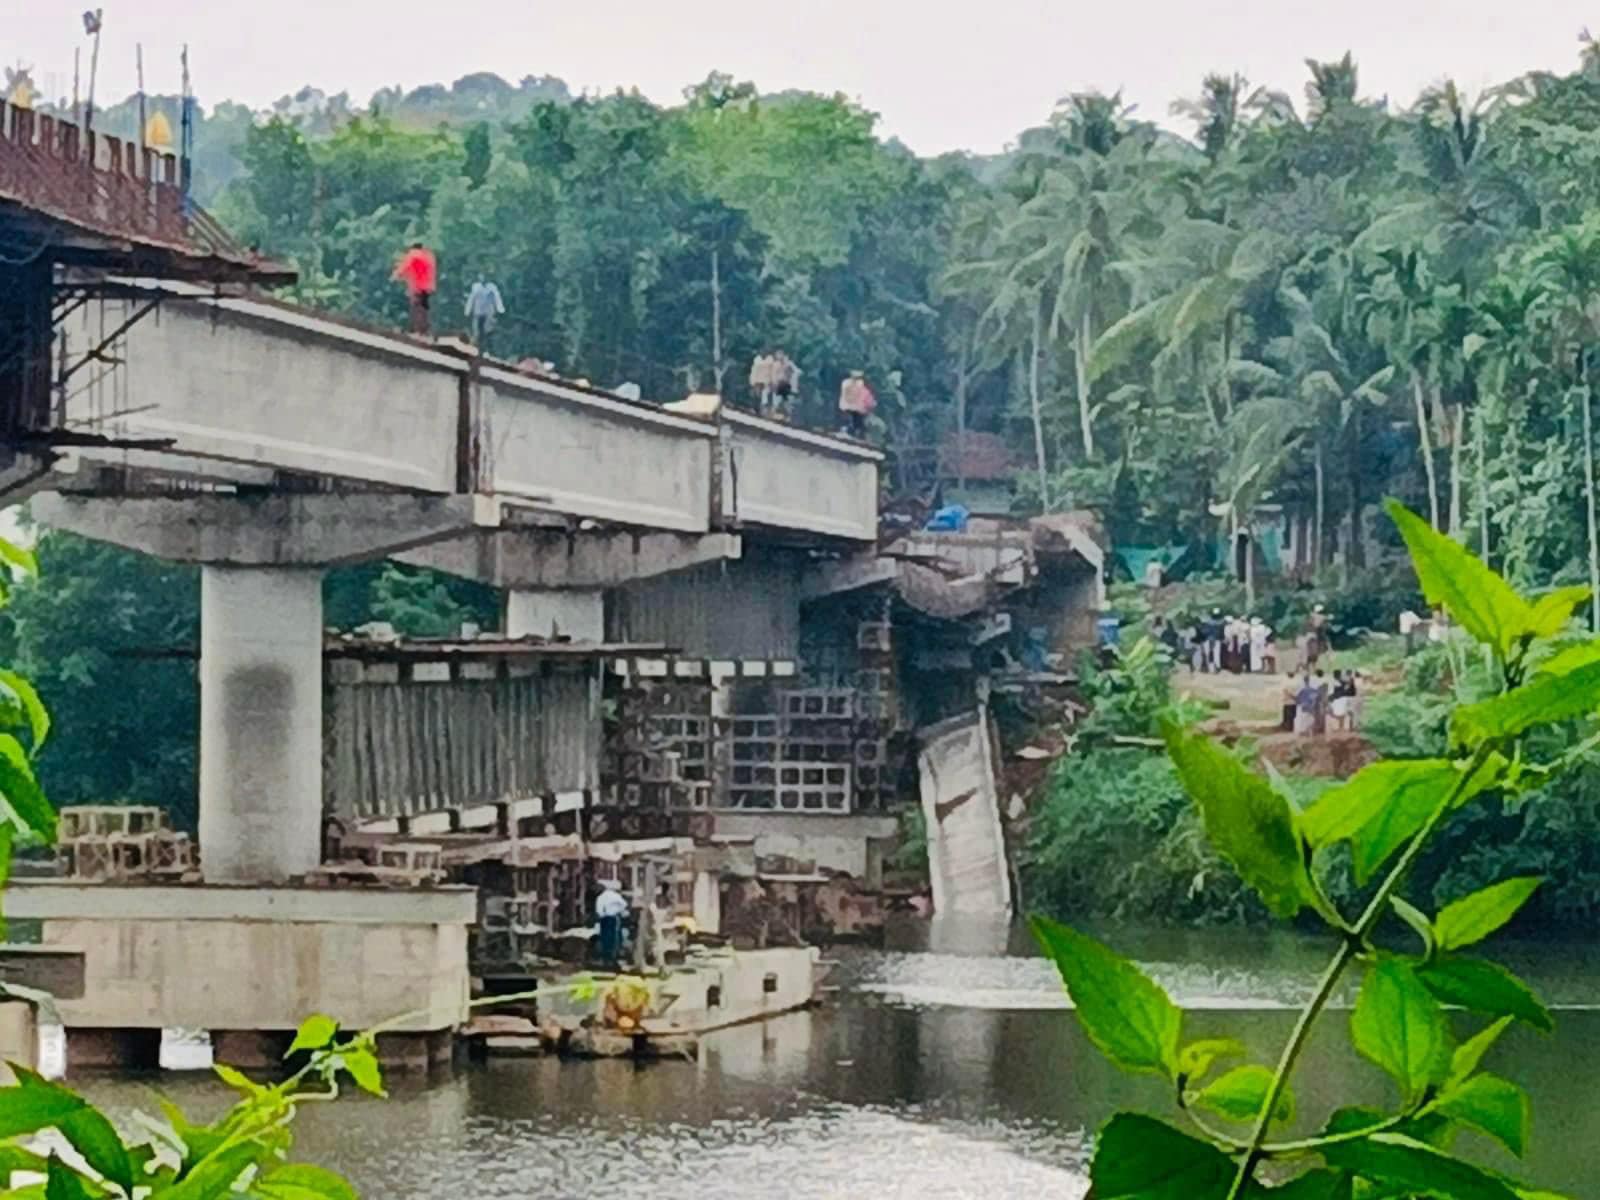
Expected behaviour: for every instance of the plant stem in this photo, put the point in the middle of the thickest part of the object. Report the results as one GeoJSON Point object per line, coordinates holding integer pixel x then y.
{"type": "Point", "coordinates": [1349, 947]}
{"type": "Point", "coordinates": [1291, 1054]}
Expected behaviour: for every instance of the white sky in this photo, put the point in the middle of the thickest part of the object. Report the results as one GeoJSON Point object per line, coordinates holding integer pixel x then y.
{"type": "Point", "coordinates": [944, 74]}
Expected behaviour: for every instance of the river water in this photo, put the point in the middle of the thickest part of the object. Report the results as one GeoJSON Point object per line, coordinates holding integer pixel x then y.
{"type": "Point", "coordinates": [948, 1069]}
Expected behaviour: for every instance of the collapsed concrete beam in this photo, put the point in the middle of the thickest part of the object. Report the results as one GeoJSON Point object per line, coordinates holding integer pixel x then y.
{"type": "Point", "coordinates": [555, 559]}
{"type": "Point", "coordinates": [260, 531]}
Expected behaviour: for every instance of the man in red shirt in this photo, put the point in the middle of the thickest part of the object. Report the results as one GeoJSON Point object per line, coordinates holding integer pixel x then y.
{"type": "Point", "coordinates": [420, 273]}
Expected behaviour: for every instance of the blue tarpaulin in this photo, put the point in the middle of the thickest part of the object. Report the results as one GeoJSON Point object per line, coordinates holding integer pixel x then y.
{"type": "Point", "coordinates": [952, 518]}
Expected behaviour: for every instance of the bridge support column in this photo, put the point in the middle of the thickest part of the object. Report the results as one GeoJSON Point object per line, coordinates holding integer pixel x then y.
{"type": "Point", "coordinates": [261, 559]}
{"type": "Point", "coordinates": [578, 614]}
{"type": "Point", "coordinates": [260, 722]}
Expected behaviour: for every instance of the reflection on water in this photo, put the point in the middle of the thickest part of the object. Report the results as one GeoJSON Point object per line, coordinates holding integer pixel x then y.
{"type": "Point", "coordinates": [940, 1072]}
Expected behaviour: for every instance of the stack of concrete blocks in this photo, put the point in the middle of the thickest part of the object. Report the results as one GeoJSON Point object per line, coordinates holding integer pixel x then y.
{"type": "Point", "coordinates": [111, 842]}
{"type": "Point", "coordinates": [546, 898]}
{"type": "Point", "coordinates": [659, 756]}
{"type": "Point", "coordinates": [491, 940]}
{"type": "Point", "coordinates": [755, 746]}
{"type": "Point", "coordinates": [874, 715]}
{"type": "Point", "coordinates": [816, 769]}
{"type": "Point", "coordinates": [412, 862]}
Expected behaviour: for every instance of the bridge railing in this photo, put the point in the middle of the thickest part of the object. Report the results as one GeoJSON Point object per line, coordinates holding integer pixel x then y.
{"type": "Point", "coordinates": [102, 183]}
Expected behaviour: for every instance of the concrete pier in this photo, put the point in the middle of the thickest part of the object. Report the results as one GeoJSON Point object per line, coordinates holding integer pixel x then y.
{"type": "Point", "coordinates": [260, 723]}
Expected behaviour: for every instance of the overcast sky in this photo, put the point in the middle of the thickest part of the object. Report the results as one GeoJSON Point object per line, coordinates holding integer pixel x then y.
{"type": "Point", "coordinates": [943, 74]}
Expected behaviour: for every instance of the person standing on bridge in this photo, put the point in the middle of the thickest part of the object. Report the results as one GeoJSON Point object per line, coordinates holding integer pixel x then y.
{"type": "Point", "coordinates": [484, 307]}
{"type": "Point", "coordinates": [856, 403]}
{"type": "Point", "coordinates": [419, 271]}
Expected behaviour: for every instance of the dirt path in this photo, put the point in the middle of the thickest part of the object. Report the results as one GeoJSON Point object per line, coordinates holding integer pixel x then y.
{"type": "Point", "coordinates": [1241, 699]}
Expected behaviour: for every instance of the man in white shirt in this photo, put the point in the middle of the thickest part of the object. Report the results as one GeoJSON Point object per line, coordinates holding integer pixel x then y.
{"type": "Point", "coordinates": [484, 306]}
{"type": "Point", "coordinates": [610, 908]}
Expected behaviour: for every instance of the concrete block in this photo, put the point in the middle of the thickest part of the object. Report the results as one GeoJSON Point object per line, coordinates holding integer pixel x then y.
{"type": "Point", "coordinates": [250, 1049]}
{"type": "Point", "coordinates": [114, 1049]}
{"type": "Point", "coordinates": [19, 1037]}
{"type": "Point", "coordinates": [415, 1052]}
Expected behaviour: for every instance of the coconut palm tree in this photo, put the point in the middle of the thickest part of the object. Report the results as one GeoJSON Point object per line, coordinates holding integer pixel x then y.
{"type": "Point", "coordinates": [1566, 268]}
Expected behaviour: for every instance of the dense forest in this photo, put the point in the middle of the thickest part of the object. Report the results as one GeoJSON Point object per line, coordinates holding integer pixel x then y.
{"type": "Point", "coordinates": [1318, 300]}
{"type": "Point", "coordinates": [1315, 301]}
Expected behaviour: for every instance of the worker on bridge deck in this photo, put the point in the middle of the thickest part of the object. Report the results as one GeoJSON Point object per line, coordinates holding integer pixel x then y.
{"type": "Point", "coordinates": [419, 271]}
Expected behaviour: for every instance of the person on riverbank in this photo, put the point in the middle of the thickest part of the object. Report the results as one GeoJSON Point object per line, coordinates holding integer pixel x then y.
{"type": "Point", "coordinates": [1291, 701]}
{"type": "Point", "coordinates": [1339, 703]}
{"type": "Point", "coordinates": [1319, 726]}
{"type": "Point", "coordinates": [419, 271]}
{"type": "Point", "coordinates": [1317, 629]}
{"type": "Point", "coordinates": [1211, 630]}
{"type": "Point", "coordinates": [1260, 639]}
{"type": "Point", "coordinates": [1305, 707]}
{"type": "Point", "coordinates": [609, 909]}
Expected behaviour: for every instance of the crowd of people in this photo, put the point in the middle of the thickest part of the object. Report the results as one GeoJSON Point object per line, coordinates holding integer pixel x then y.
{"type": "Point", "coordinates": [1312, 704]}
{"type": "Point", "coordinates": [1220, 642]}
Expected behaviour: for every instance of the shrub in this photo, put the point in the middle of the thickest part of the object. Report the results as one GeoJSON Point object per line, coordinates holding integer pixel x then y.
{"type": "Point", "coordinates": [1126, 806]}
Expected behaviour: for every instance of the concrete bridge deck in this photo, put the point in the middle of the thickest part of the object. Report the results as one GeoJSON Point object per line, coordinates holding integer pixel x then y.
{"type": "Point", "coordinates": [248, 391]}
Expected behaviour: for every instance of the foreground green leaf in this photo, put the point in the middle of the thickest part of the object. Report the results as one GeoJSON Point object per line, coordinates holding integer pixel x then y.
{"type": "Point", "coordinates": [363, 1067]}
{"type": "Point", "coordinates": [1197, 1057]}
{"type": "Point", "coordinates": [1250, 824]}
{"type": "Point", "coordinates": [20, 557]}
{"type": "Point", "coordinates": [35, 1103]}
{"type": "Point", "coordinates": [215, 1175]}
{"type": "Point", "coordinates": [1570, 658]}
{"type": "Point", "coordinates": [1417, 919]}
{"type": "Point", "coordinates": [63, 1183]}
{"type": "Point", "coordinates": [1399, 1025]}
{"type": "Point", "coordinates": [20, 792]}
{"type": "Point", "coordinates": [1126, 1014]}
{"type": "Point", "coordinates": [32, 706]}
{"type": "Point", "coordinates": [1241, 1093]}
{"type": "Point", "coordinates": [1543, 700]}
{"type": "Point", "coordinates": [1553, 611]}
{"type": "Point", "coordinates": [1381, 807]}
{"type": "Point", "coordinates": [1475, 917]}
{"type": "Point", "coordinates": [315, 1032]}
{"type": "Point", "coordinates": [301, 1181]}
{"type": "Point", "coordinates": [1469, 1055]}
{"type": "Point", "coordinates": [1484, 987]}
{"type": "Point", "coordinates": [1492, 1105]}
{"type": "Point", "coordinates": [1140, 1158]}
{"type": "Point", "coordinates": [1313, 1185]}
{"type": "Point", "coordinates": [235, 1078]}
{"type": "Point", "coordinates": [1455, 579]}
{"type": "Point", "coordinates": [1394, 1159]}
